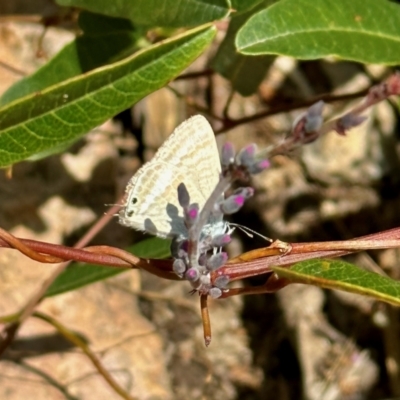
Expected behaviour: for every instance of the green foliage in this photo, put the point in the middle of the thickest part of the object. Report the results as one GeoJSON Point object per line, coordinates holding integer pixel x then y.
{"type": "Point", "coordinates": [244, 5]}
{"type": "Point", "coordinates": [78, 275]}
{"type": "Point", "coordinates": [166, 13]}
{"type": "Point", "coordinates": [361, 30]}
{"type": "Point", "coordinates": [337, 274]}
{"type": "Point", "coordinates": [65, 111]}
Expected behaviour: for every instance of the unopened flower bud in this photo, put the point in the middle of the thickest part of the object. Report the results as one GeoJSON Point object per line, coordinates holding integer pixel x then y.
{"type": "Point", "coordinates": [216, 261]}
{"type": "Point", "coordinates": [247, 192]}
{"type": "Point", "coordinates": [259, 166]}
{"type": "Point", "coordinates": [221, 281]}
{"type": "Point", "coordinates": [314, 117]}
{"type": "Point", "coordinates": [246, 155]}
{"type": "Point", "coordinates": [215, 292]}
{"type": "Point", "coordinates": [349, 121]}
{"type": "Point", "coordinates": [192, 275]}
{"type": "Point", "coordinates": [191, 214]}
{"type": "Point", "coordinates": [203, 259]}
{"type": "Point", "coordinates": [227, 154]}
{"type": "Point", "coordinates": [234, 202]}
{"type": "Point", "coordinates": [179, 267]}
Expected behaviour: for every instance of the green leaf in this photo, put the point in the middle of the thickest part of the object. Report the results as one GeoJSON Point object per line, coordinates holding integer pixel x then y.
{"type": "Point", "coordinates": [78, 275]}
{"type": "Point", "coordinates": [166, 13]}
{"type": "Point", "coordinates": [361, 30]}
{"type": "Point", "coordinates": [244, 5]}
{"type": "Point", "coordinates": [244, 72]}
{"type": "Point", "coordinates": [66, 111]}
{"type": "Point", "coordinates": [104, 40]}
{"type": "Point", "coordinates": [337, 274]}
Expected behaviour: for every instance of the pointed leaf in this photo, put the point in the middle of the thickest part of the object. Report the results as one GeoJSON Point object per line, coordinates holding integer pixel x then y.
{"type": "Point", "coordinates": [166, 13]}
{"type": "Point", "coordinates": [340, 275]}
{"type": "Point", "coordinates": [361, 30]}
{"type": "Point", "coordinates": [64, 112]}
{"type": "Point", "coordinates": [78, 275]}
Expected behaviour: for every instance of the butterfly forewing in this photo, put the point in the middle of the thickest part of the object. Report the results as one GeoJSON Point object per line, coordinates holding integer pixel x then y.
{"type": "Point", "coordinates": [192, 146]}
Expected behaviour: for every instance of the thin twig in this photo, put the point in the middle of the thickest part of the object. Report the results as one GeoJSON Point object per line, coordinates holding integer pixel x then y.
{"type": "Point", "coordinates": [77, 341]}
{"type": "Point", "coordinates": [206, 319]}
{"type": "Point", "coordinates": [12, 69]}
{"type": "Point", "coordinates": [10, 331]}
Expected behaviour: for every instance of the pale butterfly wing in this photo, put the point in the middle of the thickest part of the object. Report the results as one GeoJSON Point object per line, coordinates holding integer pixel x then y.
{"type": "Point", "coordinates": [190, 155]}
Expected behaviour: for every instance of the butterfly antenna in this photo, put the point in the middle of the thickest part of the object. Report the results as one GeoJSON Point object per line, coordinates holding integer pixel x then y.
{"type": "Point", "coordinates": [250, 232]}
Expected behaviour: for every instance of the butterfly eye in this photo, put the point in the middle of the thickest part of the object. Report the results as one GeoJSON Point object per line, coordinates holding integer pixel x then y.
{"type": "Point", "coordinates": [131, 202]}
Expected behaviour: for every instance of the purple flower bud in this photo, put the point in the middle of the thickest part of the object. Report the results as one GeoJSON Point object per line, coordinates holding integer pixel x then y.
{"type": "Point", "coordinates": [221, 281]}
{"type": "Point", "coordinates": [259, 166]}
{"type": "Point", "coordinates": [216, 261]}
{"type": "Point", "coordinates": [191, 214]}
{"type": "Point", "coordinates": [203, 259]}
{"type": "Point", "coordinates": [215, 292]}
{"type": "Point", "coordinates": [246, 192]}
{"type": "Point", "coordinates": [192, 274]}
{"type": "Point", "coordinates": [246, 155]}
{"type": "Point", "coordinates": [183, 195]}
{"type": "Point", "coordinates": [179, 267]}
{"type": "Point", "coordinates": [232, 204]}
{"type": "Point", "coordinates": [221, 240]}
{"type": "Point", "coordinates": [315, 109]}
{"type": "Point", "coordinates": [348, 121]}
{"type": "Point", "coordinates": [227, 154]}
{"type": "Point", "coordinates": [314, 117]}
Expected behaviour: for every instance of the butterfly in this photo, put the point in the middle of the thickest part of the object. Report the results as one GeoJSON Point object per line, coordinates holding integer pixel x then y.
{"type": "Point", "coordinates": [190, 156]}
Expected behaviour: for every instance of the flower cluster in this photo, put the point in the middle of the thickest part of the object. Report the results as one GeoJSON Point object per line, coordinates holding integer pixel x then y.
{"type": "Point", "coordinates": [198, 255]}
